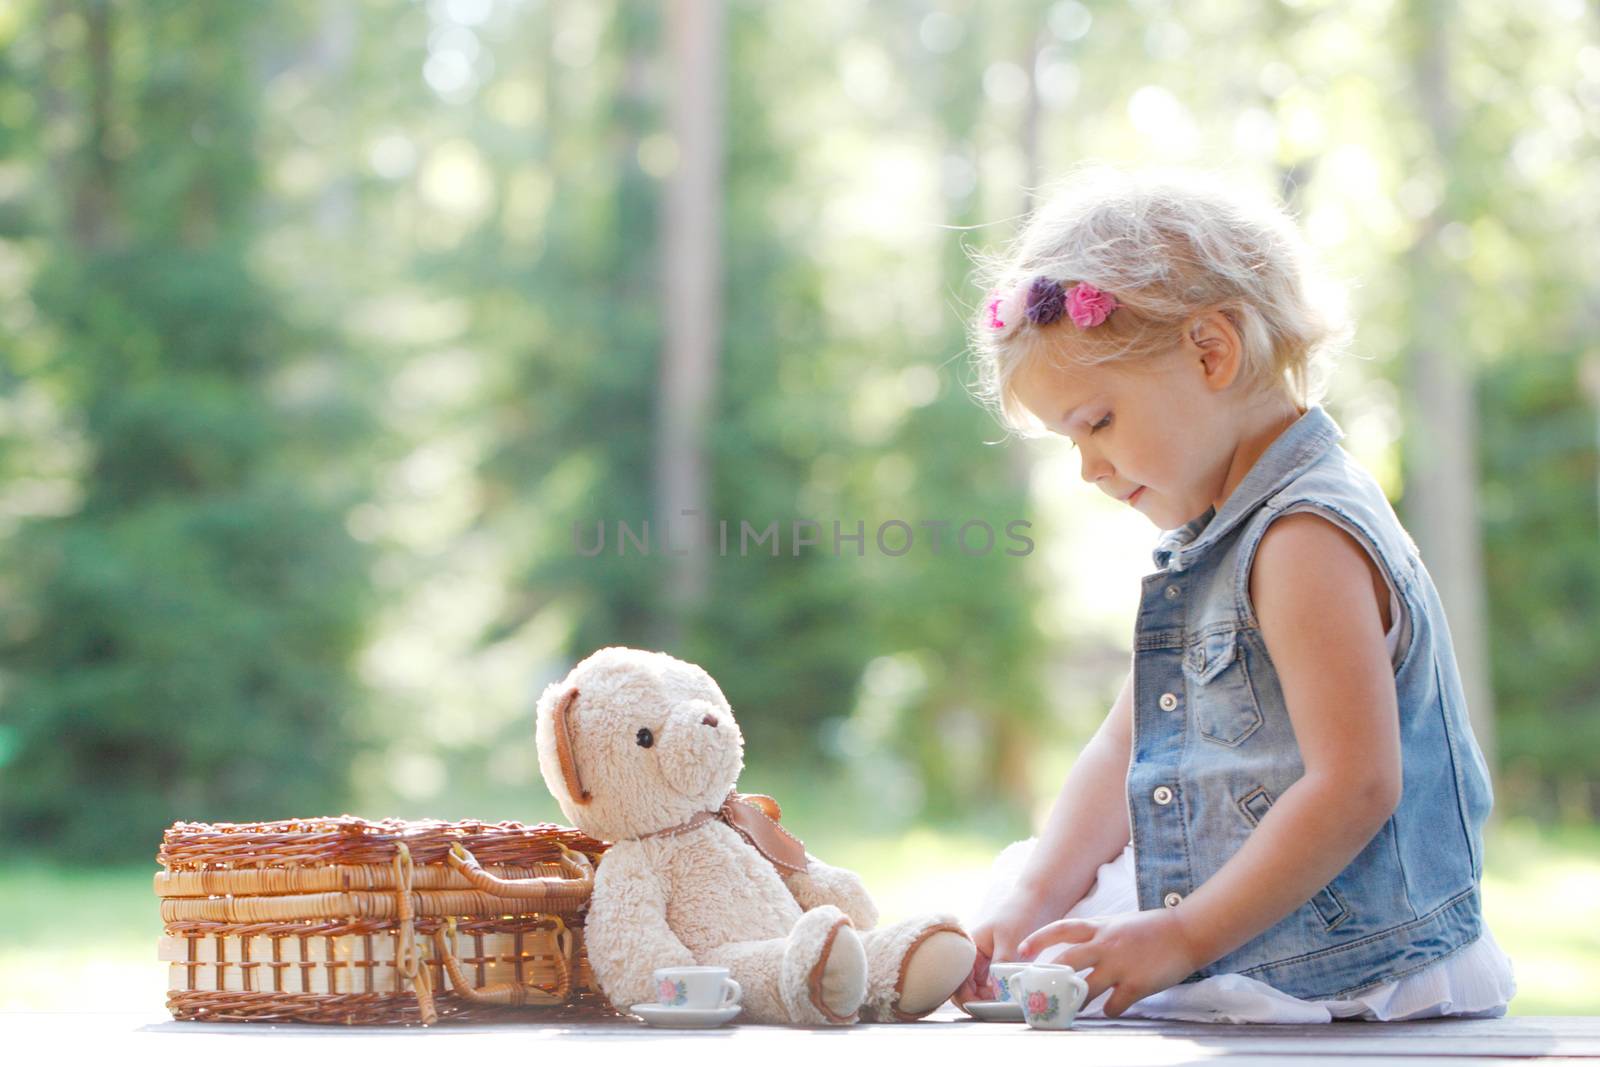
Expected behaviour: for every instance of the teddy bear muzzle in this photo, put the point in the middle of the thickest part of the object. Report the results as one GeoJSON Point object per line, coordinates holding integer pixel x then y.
{"type": "Point", "coordinates": [700, 751]}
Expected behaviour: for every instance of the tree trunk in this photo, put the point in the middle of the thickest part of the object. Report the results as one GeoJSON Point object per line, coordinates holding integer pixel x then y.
{"type": "Point", "coordinates": [692, 293]}
{"type": "Point", "coordinates": [93, 188]}
{"type": "Point", "coordinates": [1441, 494]}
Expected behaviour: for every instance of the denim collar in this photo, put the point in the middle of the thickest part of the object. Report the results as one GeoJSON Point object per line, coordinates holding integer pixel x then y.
{"type": "Point", "coordinates": [1294, 450]}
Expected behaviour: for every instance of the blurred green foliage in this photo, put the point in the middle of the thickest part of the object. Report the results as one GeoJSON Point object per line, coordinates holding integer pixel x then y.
{"type": "Point", "coordinates": [180, 639]}
{"type": "Point", "coordinates": [1541, 473]}
{"type": "Point", "coordinates": [322, 324]}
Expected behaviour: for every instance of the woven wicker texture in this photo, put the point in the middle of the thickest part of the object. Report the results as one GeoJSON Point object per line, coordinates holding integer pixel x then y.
{"type": "Point", "coordinates": [364, 1008]}
{"type": "Point", "coordinates": [359, 906]}
{"type": "Point", "coordinates": [530, 952]}
{"type": "Point", "coordinates": [274, 881]}
{"type": "Point", "coordinates": [342, 920]}
{"type": "Point", "coordinates": [347, 839]}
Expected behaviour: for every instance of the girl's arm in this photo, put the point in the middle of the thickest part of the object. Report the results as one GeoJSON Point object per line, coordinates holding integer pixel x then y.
{"type": "Point", "coordinates": [1087, 827]}
{"type": "Point", "coordinates": [1315, 591]}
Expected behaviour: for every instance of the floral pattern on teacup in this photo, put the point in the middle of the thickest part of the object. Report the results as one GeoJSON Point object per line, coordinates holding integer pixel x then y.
{"type": "Point", "coordinates": [1042, 1006]}
{"type": "Point", "coordinates": [1003, 987]}
{"type": "Point", "coordinates": [671, 994]}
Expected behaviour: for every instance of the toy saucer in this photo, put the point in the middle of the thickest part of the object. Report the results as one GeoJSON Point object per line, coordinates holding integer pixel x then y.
{"type": "Point", "coordinates": [995, 1011]}
{"type": "Point", "coordinates": [686, 1018]}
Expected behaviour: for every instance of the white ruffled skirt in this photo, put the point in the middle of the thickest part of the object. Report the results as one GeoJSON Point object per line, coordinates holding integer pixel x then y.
{"type": "Point", "coordinates": [1476, 981]}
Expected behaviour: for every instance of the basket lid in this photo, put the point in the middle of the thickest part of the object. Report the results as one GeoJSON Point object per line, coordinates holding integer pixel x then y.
{"type": "Point", "coordinates": [347, 839]}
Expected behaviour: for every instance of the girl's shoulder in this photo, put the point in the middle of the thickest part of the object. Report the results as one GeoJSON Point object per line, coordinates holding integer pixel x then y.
{"type": "Point", "coordinates": [1327, 532]}
{"type": "Point", "coordinates": [1316, 561]}
{"type": "Point", "coordinates": [1355, 513]}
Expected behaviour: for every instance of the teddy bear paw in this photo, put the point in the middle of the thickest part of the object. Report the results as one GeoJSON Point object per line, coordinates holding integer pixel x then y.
{"type": "Point", "coordinates": [824, 977]}
{"type": "Point", "coordinates": [914, 966]}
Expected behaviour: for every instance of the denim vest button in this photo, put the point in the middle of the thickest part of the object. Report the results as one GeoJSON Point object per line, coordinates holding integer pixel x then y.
{"type": "Point", "coordinates": [1173, 592]}
{"type": "Point", "coordinates": [1162, 795]}
{"type": "Point", "coordinates": [1168, 701]}
{"type": "Point", "coordinates": [1172, 900]}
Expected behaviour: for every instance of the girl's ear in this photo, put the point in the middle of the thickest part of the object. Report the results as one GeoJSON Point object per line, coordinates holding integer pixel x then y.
{"type": "Point", "coordinates": [1220, 349]}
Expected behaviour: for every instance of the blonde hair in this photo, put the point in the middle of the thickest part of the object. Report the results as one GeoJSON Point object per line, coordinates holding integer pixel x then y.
{"type": "Point", "coordinates": [1169, 245]}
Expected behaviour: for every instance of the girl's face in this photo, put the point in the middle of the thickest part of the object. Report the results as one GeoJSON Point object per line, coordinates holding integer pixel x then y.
{"type": "Point", "coordinates": [1170, 437]}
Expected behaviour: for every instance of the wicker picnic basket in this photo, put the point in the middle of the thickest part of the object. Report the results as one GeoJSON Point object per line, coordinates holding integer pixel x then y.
{"type": "Point", "coordinates": [341, 920]}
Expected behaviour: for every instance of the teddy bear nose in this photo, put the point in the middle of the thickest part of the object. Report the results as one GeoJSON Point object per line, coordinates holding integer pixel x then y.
{"type": "Point", "coordinates": [710, 719]}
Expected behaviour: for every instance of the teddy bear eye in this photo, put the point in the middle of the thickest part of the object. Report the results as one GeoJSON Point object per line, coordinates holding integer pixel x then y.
{"type": "Point", "coordinates": [645, 737]}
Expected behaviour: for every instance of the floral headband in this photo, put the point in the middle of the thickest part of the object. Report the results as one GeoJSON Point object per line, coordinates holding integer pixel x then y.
{"type": "Point", "coordinates": [1042, 300]}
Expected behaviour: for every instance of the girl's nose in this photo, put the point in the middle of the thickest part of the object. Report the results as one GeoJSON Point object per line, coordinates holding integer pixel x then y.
{"type": "Point", "coordinates": [1094, 468]}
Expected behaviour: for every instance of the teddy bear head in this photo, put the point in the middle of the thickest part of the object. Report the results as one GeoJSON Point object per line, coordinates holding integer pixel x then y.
{"type": "Point", "coordinates": [632, 741]}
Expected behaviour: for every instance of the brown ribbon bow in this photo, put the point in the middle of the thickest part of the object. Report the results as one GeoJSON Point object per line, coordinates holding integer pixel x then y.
{"type": "Point", "coordinates": [755, 817]}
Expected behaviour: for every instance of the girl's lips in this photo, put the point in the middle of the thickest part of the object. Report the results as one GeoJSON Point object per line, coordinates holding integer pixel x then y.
{"type": "Point", "coordinates": [1133, 497]}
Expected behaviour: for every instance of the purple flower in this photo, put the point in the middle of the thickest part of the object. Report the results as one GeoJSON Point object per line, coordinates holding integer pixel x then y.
{"type": "Point", "coordinates": [1046, 301]}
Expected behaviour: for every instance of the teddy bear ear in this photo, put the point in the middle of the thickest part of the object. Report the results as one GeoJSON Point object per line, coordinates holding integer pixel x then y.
{"type": "Point", "coordinates": [561, 720]}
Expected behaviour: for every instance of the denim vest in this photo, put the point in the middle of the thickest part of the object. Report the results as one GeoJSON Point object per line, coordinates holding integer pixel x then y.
{"type": "Point", "coordinates": [1213, 747]}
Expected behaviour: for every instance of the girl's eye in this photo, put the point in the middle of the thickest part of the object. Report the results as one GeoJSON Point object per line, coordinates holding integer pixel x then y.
{"type": "Point", "coordinates": [645, 737]}
{"type": "Point", "coordinates": [1102, 424]}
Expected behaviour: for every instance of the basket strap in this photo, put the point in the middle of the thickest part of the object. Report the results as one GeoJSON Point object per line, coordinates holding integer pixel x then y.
{"type": "Point", "coordinates": [580, 876]}
{"type": "Point", "coordinates": [513, 994]}
{"type": "Point", "coordinates": [421, 980]}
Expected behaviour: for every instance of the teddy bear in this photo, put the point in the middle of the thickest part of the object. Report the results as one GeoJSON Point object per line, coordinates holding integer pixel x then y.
{"type": "Point", "coordinates": [642, 750]}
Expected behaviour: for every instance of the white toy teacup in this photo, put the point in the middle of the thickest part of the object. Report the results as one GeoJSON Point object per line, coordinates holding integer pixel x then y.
{"type": "Point", "coordinates": [1050, 994]}
{"type": "Point", "coordinates": [696, 988]}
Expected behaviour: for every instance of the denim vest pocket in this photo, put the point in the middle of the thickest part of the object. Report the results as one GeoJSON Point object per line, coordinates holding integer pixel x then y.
{"type": "Point", "coordinates": [1330, 906]}
{"type": "Point", "coordinates": [1222, 699]}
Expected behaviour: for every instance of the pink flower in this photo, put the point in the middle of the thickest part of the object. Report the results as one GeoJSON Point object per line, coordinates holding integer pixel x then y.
{"type": "Point", "coordinates": [994, 315]}
{"type": "Point", "coordinates": [1089, 306]}
{"type": "Point", "coordinates": [1005, 311]}
{"type": "Point", "coordinates": [1038, 1003]}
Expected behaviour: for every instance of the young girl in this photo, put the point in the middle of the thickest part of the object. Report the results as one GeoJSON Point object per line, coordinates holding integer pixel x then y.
{"type": "Point", "coordinates": [1279, 819]}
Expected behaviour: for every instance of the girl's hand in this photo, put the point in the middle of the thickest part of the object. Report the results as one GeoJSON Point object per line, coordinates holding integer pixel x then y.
{"type": "Point", "coordinates": [1137, 954]}
{"type": "Point", "coordinates": [997, 936]}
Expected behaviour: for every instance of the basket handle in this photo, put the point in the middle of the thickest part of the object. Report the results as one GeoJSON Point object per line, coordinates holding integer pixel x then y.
{"type": "Point", "coordinates": [579, 876]}
{"type": "Point", "coordinates": [512, 994]}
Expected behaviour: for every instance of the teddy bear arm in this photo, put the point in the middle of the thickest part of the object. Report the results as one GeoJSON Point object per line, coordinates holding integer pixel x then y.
{"type": "Point", "coordinates": [626, 933]}
{"type": "Point", "coordinates": [821, 884]}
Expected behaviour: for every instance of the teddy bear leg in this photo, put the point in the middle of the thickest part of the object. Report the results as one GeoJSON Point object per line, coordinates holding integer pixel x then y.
{"type": "Point", "coordinates": [755, 965]}
{"type": "Point", "coordinates": [822, 976]}
{"type": "Point", "coordinates": [914, 966]}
